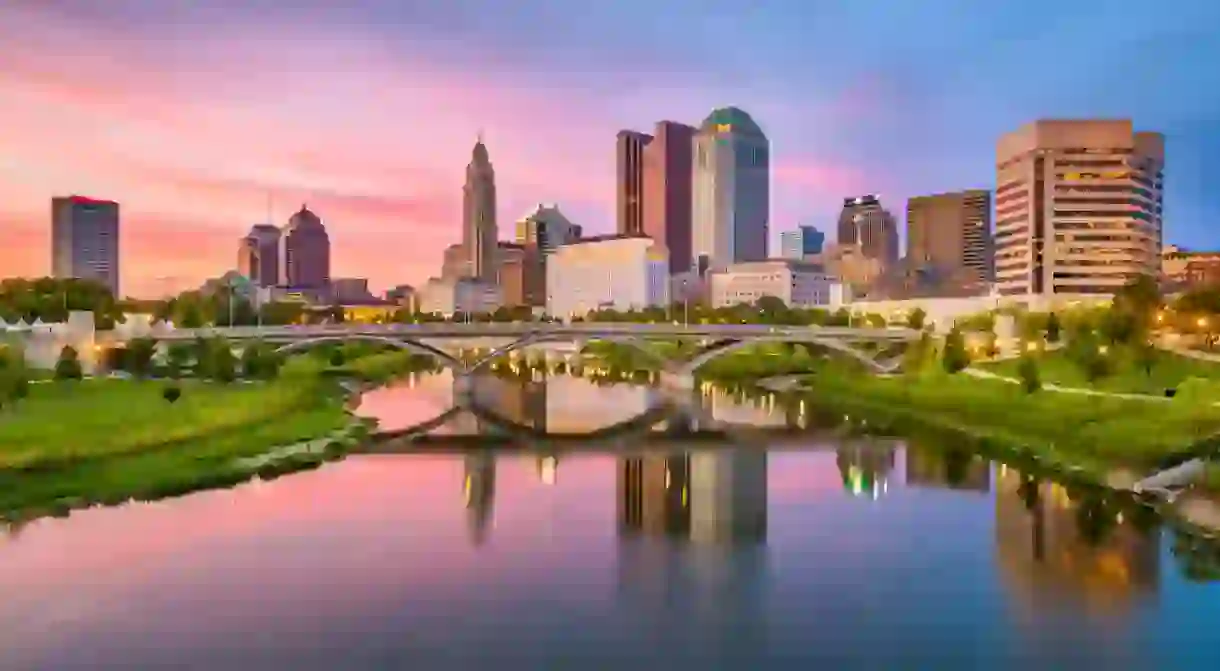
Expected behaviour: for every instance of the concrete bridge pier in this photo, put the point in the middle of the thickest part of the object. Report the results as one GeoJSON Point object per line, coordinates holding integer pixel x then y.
{"type": "Point", "coordinates": [463, 386]}
{"type": "Point", "coordinates": [678, 380]}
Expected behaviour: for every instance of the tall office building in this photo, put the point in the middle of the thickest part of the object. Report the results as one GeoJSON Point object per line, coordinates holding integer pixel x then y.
{"type": "Point", "coordinates": [951, 232]}
{"type": "Point", "coordinates": [479, 232]}
{"type": "Point", "coordinates": [667, 191]}
{"type": "Point", "coordinates": [258, 255]}
{"type": "Point", "coordinates": [804, 241]}
{"type": "Point", "coordinates": [540, 233]}
{"type": "Point", "coordinates": [730, 191]}
{"type": "Point", "coordinates": [868, 226]}
{"type": "Point", "coordinates": [629, 161]}
{"type": "Point", "coordinates": [85, 240]}
{"type": "Point", "coordinates": [305, 246]}
{"type": "Point", "coordinates": [1078, 207]}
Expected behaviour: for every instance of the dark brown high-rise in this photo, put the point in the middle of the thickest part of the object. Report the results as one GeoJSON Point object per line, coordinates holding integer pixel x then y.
{"type": "Point", "coordinates": [667, 191]}
{"type": "Point", "coordinates": [871, 228]}
{"type": "Point", "coordinates": [951, 232]}
{"type": "Point", "coordinates": [306, 252]}
{"type": "Point", "coordinates": [630, 181]}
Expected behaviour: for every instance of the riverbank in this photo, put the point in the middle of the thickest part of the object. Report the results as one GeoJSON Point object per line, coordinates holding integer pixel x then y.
{"type": "Point", "coordinates": [105, 441]}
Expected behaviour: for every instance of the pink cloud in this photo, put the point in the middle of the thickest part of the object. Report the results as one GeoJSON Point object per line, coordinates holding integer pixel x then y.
{"type": "Point", "coordinates": [373, 136]}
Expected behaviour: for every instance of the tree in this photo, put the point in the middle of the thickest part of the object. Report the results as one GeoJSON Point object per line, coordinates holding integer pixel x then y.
{"type": "Point", "coordinates": [140, 353]}
{"type": "Point", "coordinates": [1027, 369]}
{"type": "Point", "coordinates": [14, 377]}
{"type": "Point", "coordinates": [337, 358]}
{"type": "Point", "coordinates": [115, 358]}
{"type": "Point", "coordinates": [1146, 357]}
{"type": "Point", "coordinates": [68, 367]}
{"type": "Point", "coordinates": [1052, 328]}
{"type": "Point", "coordinates": [917, 318]}
{"type": "Point", "coordinates": [955, 358]}
{"type": "Point", "coordinates": [177, 357]}
{"type": "Point", "coordinates": [224, 364]}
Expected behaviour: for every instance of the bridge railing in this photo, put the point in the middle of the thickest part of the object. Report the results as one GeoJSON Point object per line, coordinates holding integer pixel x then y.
{"type": "Point", "coordinates": [591, 330]}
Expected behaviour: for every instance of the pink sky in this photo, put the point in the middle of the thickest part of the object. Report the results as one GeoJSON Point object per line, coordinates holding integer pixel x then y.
{"type": "Point", "coordinates": [193, 131]}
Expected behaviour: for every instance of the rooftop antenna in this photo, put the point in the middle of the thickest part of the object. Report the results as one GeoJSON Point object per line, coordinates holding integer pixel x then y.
{"type": "Point", "coordinates": [480, 137]}
{"type": "Point", "coordinates": [270, 220]}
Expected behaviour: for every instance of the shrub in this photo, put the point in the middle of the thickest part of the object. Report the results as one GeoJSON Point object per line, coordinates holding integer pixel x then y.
{"type": "Point", "coordinates": [68, 367]}
{"type": "Point", "coordinates": [337, 358]}
{"type": "Point", "coordinates": [223, 364]}
{"type": "Point", "coordinates": [955, 358]}
{"type": "Point", "coordinates": [140, 353]}
{"type": "Point", "coordinates": [917, 318]}
{"type": "Point", "coordinates": [172, 393]}
{"type": "Point", "coordinates": [1027, 369]}
{"type": "Point", "coordinates": [177, 357]}
{"type": "Point", "coordinates": [115, 359]}
{"type": "Point", "coordinates": [1052, 327]}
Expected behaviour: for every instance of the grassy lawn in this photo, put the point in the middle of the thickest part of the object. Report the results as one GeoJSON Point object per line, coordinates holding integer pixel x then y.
{"type": "Point", "coordinates": [66, 422]}
{"type": "Point", "coordinates": [1169, 371]}
{"type": "Point", "coordinates": [1095, 433]}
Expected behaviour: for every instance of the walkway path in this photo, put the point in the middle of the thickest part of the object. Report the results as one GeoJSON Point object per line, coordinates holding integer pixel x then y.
{"type": "Point", "coordinates": [988, 375]}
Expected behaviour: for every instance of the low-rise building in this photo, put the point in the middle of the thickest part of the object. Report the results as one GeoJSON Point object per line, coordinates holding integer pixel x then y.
{"type": "Point", "coordinates": [607, 272]}
{"type": "Point", "coordinates": [1184, 268]}
{"type": "Point", "coordinates": [466, 295]}
{"type": "Point", "coordinates": [796, 283]}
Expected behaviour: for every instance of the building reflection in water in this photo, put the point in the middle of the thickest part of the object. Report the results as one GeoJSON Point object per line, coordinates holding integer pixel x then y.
{"type": "Point", "coordinates": [1051, 547]}
{"type": "Point", "coordinates": [935, 467]}
{"type": "Point", "coordinates": [710, 496]}
{"type": "Point", "coordinates": [479, 489]}
{"type": "Point", "coordinates": [865, 467]}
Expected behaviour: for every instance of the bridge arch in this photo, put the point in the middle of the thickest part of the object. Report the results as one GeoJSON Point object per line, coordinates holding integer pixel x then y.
{"type": "Point", "coordinates": [541, 338]}
{"type": "Point", "coordinates": [640, 423]}
{"type": "Point", "coordinates": [727, 345]}
{"type": "Point", "coordinates": [408, 344]}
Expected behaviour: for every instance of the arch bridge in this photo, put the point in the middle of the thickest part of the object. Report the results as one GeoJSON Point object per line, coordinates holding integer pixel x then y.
{"type": "Point", "coordinates": [718, 340]}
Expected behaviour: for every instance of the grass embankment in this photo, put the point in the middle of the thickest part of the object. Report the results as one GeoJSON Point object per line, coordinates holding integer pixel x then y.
{"type": "Point", "coordinates": [1095, 433]}
{"type": "Point", "coordinates": [1071, 432]}
{"type": "Point", "coordinates": [71, 444]}
{"type": "Point", "coordinates": [1193, 377]}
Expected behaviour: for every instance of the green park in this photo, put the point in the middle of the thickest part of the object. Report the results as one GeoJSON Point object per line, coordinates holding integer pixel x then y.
{"type": "Point", "coordinates": [1092, 392]}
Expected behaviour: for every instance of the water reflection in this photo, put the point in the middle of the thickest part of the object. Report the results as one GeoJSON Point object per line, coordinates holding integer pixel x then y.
{"type": "Point", "coordinates": [707, 497]}
{"type": "Point", "coordinates": [1050, 545]}
{"type": "Point", "coordinates": [865, 467]}
{"type": "Point", "coordinates": [938, 467]}
{"type": "Point", "coordinates": [655, 553]}
{"type": "Point", "coordinates": [479, 489]}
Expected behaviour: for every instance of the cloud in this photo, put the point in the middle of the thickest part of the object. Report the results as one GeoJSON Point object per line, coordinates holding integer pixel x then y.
{"type": "Point", "coordinates": [372, 131]}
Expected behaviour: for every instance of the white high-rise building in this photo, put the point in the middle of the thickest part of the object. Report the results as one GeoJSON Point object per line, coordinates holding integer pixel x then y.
{"type": "Point", "coordinates": [607, 272]}
{"type": "Point", "coordinates": [731, 191]}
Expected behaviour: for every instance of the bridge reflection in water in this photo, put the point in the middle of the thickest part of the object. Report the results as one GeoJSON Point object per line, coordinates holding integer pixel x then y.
{"type": "Point", "coordinates": [681, 475]}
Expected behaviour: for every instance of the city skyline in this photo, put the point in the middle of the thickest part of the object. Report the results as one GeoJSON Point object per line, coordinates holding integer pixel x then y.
{"type": "Point", "coordinates": [192, 150]}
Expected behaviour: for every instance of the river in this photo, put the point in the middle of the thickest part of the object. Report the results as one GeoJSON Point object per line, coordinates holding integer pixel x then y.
{"type": "Point", "coordinates": [645, 553]}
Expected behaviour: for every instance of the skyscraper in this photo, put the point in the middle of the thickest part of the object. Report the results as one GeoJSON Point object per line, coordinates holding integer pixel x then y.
{"type": "Point", "coordinates": [804, 241]}
{"type": "Point", "coordinates": [1078, 207]}
{"type": "Point", "coordinates": [730, 191]}
{"type": "Point", "coordinates": [305, 262]}
{"type": "Point", "coordinates": [85, 240]}
{"type": "Point", "coordinates": [667, 191]}
{"type": "Point", "coordinates": [479, 232]}
{"type": "Point", "coordinates": [258, 255]}
{"type": "Point", "coordinates": [871, 228]}
{"type": "Point", "coordinates": [951, 232]}
{"type": "Point", "coordinates": [629, 160]}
